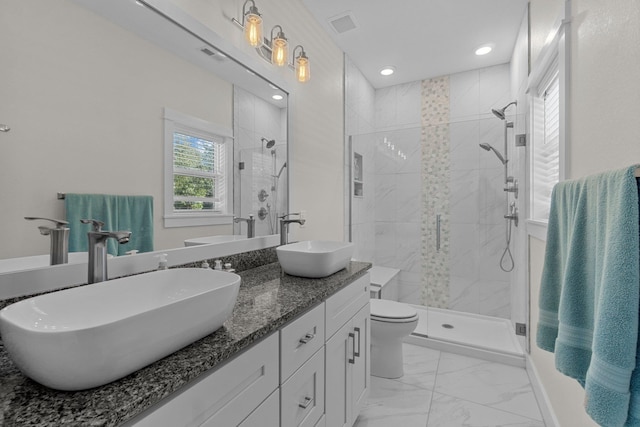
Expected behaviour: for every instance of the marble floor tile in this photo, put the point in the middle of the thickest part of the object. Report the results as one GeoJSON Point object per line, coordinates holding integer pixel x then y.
{"type": "Point", "coordinates": [393, 403]}
{"type": "Point", "coordinates": [486, 383]}
{"type": "Point", "coordinates": [441, 389]}
{"type": "Point", "coordinates": [420, 366]}
{"type": "Point", "coordinates": [449, 411]}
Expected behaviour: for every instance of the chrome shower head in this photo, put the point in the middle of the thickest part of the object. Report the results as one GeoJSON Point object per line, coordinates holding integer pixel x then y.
{"type": "Point", "coordinates": [488, 147]}
{"type": "Point", "coordinates": [270, 142]}
{"type": "Point", "coordinates": [500, 113]}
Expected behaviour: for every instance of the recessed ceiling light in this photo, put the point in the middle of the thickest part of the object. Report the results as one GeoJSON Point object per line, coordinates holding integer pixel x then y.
{"type": "Point", "coordinates": [277, 97]}
{"type": "Point", "coordinates": [387, 71]}
{"type": "Point", "coordinates": [484, 49]}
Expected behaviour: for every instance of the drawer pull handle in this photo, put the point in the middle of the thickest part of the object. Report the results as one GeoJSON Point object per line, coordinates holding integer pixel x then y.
{"type": "Point", "coordinates": [307, 338]}
{"type": "Point", "coordinates": [307, 402]}
{"type": "Point", "coordinates": [356, 353]}
{"type": "Point", "coordinates": [352, 360]}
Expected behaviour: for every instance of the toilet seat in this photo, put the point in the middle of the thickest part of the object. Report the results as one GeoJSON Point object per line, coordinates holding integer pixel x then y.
{"type": "Point", "coordinates": [392, 312]}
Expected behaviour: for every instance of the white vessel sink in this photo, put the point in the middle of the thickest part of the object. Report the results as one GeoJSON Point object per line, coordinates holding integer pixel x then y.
{"type": "Point", "coordinates": [213, 239]}
{"type": "Point", "coordinates": [91, 335]}
{"type": "Point", "coordinates": [36, 261]}
{"type": "Point", "coordinates": [314, 258]}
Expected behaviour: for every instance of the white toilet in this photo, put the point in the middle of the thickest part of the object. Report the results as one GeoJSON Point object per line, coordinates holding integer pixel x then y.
{"type": "Point", "coordinates": [390, 322]}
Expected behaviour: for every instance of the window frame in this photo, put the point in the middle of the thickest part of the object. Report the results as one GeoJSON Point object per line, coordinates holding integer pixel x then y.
{"type": "Point", "coordinates": [556, 53]}
{"type": "Point", "coordinates": [175, 121]}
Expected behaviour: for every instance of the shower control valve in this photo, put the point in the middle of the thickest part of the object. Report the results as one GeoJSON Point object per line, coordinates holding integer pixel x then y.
{"type": "Point", "coordinates": [513, 188]}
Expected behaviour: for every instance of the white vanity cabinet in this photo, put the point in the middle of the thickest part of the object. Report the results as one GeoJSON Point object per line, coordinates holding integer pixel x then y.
{"type": "Point", "coordinates": [302, 391]}
{"type": "Point", "coordinates": [313, 372]}
{"type": "Point", "coordinates": [347, 353]}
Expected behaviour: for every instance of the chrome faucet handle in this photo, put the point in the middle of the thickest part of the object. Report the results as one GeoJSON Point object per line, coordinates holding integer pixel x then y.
{"type": "Point", "coordinates": [59, 223]}
{"type": "Point", "coordinates": [96, 225]}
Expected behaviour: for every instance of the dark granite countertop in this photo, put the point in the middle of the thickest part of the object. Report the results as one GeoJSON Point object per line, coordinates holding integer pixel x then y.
{"type": "Point", "coordinates": [267, 300]}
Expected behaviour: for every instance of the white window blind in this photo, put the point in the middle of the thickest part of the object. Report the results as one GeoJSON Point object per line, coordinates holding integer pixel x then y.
{"type": "Point", "coordinates": [546, 148]}
{"type": "Point", "coordinates": [198, 174]}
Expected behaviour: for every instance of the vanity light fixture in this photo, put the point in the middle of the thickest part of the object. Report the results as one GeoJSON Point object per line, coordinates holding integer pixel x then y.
{"type": "Point", "coordinates": [252, 23]}
{"type": "Point", "coordinates": [301, 64]}
{"type": "Point", "coordinates": [279, 47]}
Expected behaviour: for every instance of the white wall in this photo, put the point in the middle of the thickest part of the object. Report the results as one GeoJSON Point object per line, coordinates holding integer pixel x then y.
{"type": "Point", "coordinates": [53, 55]}
{"type": "Point", "coordinates": [604, 107]}
{"type": "Point", "coordinates": [84, 99]}
{"type": "Point", "coordinates": [316, 109]}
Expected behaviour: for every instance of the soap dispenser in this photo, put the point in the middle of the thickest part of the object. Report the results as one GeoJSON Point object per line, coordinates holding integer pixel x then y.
{"type": "Point", "coordinates": [162, 263]}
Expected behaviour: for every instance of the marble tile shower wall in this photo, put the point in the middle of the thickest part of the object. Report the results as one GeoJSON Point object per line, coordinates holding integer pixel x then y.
{"type": "Point", "coordinates": [254, 119]}
{"type": "Point", "coordinates": [359, 122]}
{"type": "Point", "coordinates": [398, 186]}
{"type": "Point", "coordinates": [477, 284]}
{"type": "Point", "coordinates": [467, 273]}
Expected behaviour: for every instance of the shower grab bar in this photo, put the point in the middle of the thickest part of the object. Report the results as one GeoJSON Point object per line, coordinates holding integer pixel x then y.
{"type": "Point", "coordinates": [438, 233]}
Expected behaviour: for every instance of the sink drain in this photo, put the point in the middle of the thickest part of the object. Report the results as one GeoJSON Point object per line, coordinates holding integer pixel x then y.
{"type": "Point", "coordinates": [447, 326]}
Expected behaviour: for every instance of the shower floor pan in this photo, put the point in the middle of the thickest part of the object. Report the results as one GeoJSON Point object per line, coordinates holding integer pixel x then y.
{"type": "Point", "coordinates": [473, 335]}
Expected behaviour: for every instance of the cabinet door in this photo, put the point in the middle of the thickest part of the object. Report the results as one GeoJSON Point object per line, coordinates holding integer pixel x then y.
{"type": "Point", "coordinates": [338, 381]}
{"type": "Point", "coordinates": [360, 368]}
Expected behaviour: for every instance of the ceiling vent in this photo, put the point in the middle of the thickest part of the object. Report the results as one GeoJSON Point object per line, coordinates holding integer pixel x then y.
{"type": "Point", "coordinates": [343, 23]}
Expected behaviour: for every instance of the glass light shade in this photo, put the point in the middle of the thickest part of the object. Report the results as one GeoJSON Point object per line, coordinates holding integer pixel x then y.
{"type": "Point", "coordinates": [253, 29]}
{"type": "Point", "coordinates": [303, 72]}
{"type": "Point", "coordinates": [279, 51]}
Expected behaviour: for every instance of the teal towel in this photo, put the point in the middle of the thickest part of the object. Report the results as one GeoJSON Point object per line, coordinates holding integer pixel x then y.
{"type": "Point", "coordinates": [590, 289]}
{"type": "Point", "coordinates": [119, 213]}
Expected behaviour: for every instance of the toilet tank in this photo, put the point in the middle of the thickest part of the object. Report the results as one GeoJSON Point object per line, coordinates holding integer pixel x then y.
{"type": "Point", "coordinates": [384, 282]}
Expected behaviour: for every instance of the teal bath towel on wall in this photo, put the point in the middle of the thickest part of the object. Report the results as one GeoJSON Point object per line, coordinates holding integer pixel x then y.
{"type": "Point", "coordinates": [119, 213]}
{"type": "Point", "coordinates": [590, 291]}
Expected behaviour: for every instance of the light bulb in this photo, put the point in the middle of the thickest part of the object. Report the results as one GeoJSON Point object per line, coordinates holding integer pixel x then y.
{"type": "Point", "coordinates": [279, 51]}
{"type": "Point", "coordinates": [303, 72]}
{"type": "Point", "coordinates": [253, 28]}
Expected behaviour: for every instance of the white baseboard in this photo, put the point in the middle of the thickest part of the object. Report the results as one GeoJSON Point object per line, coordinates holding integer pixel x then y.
{"type": "Point", "coordinates": [548, 415]}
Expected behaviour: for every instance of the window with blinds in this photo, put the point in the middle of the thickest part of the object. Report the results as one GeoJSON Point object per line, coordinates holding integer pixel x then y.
{"type": "Point", "coordinates": [545, 165]}
{"type": "Point", "coordinates": [198, 174]}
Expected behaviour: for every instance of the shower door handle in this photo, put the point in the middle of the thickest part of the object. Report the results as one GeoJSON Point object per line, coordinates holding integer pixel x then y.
{"type": "Point", "coordinates": [438, 232]}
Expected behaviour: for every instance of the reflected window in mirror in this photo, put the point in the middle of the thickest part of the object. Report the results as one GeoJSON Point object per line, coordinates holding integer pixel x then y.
{"type": "Point", "coordinates": [198, 177]}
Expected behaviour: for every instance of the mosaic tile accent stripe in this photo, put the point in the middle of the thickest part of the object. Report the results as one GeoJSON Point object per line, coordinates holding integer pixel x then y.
{"type": "Point", "coordinates": [435, 175]}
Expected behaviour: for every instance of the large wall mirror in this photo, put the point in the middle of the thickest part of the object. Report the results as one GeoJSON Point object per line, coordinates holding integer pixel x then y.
{"type": "Point", "coordinates": [84, 84]}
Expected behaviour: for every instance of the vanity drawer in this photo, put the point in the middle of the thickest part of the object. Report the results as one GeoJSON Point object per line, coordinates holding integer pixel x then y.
{"type": "Point", "coordinates": [345, 304]}
{"type": "Point", "coordinates": [267, 414]}
{"type": "Point", "coordinates": [302, 395]}
{"type": "Point", "coordinates": [299, 340]}
{"type": "Point", "coordinates": [224, 397]}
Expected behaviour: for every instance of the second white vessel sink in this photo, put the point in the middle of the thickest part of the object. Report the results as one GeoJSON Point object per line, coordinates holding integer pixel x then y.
{"type": "Point", "coordinates": [91, 335]}
{"type": "Point", "coordinates": [314, 258]}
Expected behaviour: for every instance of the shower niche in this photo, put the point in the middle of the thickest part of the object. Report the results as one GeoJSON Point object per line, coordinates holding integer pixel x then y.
{"type": "Point", "coordinates": [358, 184]}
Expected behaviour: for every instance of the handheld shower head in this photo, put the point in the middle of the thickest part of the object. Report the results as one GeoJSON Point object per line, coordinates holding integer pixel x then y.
{"type": "Point", "coordinates": [500, 113]}
{"type": "Point", "coordinates": [488, 147]}
{"type": "Point", "coordinates": [269, 142]}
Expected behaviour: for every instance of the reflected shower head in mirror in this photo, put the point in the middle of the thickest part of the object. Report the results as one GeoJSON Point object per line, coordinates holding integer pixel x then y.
{"type": "Point", "coordinates": [500, 113]}
{"type": "Point", "coordinates": [488, 147]}
{"type": "Point", "coordinates": [269, 142]}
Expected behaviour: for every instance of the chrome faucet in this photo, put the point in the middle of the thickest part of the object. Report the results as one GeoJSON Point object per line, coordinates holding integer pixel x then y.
{"type": "Point", "coordinates": [59, 253]}
{"type": "Point", "coordinates": [98, 249]}
{"type": "Point", "coordinates": [251, 225]}
{"type": "Point", "coordinates": [284, 226]}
